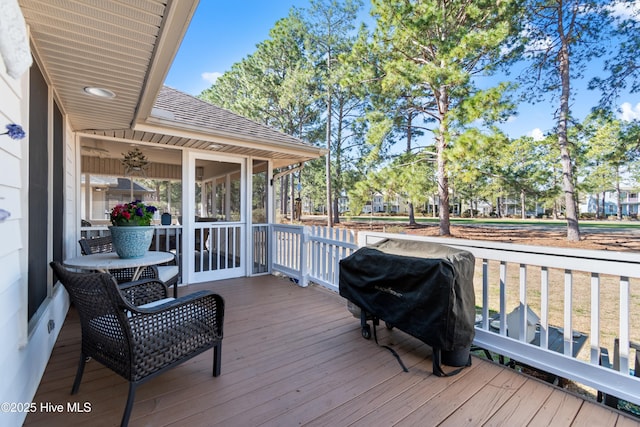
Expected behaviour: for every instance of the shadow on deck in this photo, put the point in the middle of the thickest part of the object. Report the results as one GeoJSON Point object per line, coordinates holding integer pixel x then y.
{"type": "Point", "coordinates": [295, 356]}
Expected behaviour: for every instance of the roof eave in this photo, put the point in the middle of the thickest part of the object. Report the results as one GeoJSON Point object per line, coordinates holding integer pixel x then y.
{"type": "Point", "coordinates": [172, 128]}
{"type": "Point", "coordinates": [177, 22]}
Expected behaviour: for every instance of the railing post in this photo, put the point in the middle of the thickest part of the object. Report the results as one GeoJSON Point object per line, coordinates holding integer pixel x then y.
{"type": "Point", "coordinates": [544, 307]}
{"type": "Point", "coordinates": [568, 311]}
{"type": "Point", "coordinates": [625, 293]}
{"type": "Point", "coordinates": [485, 293]}
{"type": "Point", "coordinates": [273, 253]}
{"type": "Point", "coordinates": [503, 298]}
{"type": "Point", "coordinates": [304, 256]}
{"type": "Point", "coordinates": [595, 318]}
{"type": "Point", "coordinates": [523, 314]}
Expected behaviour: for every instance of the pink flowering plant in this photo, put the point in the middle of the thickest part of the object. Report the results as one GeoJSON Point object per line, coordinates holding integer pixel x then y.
{"type": "Point", "coordinates": [133, 213]}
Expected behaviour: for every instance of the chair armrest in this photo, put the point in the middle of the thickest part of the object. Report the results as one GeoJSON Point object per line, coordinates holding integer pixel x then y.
{"type": "Point", "coordinates": [143, 291]}
{"type": "Point", "coordinates": [169, 333]}
{"type": "Point", "coordinates": [194, 314]}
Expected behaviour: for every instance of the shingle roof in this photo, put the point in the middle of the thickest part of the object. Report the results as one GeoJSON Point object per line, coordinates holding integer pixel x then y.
{"type": "Point", "coordinates": [182, 108]}
{"type": "Point", "coordinates": [124, 184]}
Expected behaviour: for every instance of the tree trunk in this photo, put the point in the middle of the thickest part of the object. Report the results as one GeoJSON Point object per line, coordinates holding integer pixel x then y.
{"type": "Point", "coordinates": [284, 191]}
{"type": "Point", "coordinates": [443, 179]}
{"type": "Point", "coordinates": [523, 214]}
{"type": "Point", "coordinates": [328, 164]}
{"type": "Point", "coordinates": [293, 198]}
{"type": "Point", "coordinates": [573, 228]}
{"type": "Point", "coordinates": [409, 131]}
{"type": "Point", "coordinates": [412, 217]}
{"type": "Point", "coordinates": [328, 158]}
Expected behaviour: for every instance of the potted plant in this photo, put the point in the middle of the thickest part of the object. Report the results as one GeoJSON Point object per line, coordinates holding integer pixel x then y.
{"type": "Point", "coordinates": [131, 232]}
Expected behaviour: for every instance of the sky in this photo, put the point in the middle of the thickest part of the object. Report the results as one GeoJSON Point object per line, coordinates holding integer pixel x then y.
{"type": "Point", "coordinates": [223, 32]}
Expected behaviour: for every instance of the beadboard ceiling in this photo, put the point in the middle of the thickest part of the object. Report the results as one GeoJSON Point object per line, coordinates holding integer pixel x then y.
{"type": "Point", "coordinates": [125, 46]}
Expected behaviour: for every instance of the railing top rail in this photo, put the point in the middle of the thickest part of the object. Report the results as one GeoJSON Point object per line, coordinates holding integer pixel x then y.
{"type": "Point", "coordinates": [106, 227]}
{"type": "Point", "coordinates": [603, 262]}
{"type": "Point", "coordinates": [287, 227]}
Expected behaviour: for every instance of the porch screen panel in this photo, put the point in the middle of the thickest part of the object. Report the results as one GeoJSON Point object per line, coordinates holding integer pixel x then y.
{"type": "Point", "coordinates": [38, 190]}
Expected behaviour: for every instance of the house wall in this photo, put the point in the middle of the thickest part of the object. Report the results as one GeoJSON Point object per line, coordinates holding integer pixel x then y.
{"type": "Point", "coordinates": [26, 346]}
{"type": "Point", "coordinates": [629, 202]}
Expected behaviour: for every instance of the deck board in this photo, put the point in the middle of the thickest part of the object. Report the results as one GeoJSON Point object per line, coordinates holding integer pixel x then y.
{"type": "Point", "coordinates": [522, 407]}
{"type": "Point", "coordinates": [295, 356]}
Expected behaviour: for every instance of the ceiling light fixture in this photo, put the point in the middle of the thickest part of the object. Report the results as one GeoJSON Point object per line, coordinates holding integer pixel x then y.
{"type": "Point", "coordinates": [215, 146]}
{"type": "Point", "coordinates": [99, 92]}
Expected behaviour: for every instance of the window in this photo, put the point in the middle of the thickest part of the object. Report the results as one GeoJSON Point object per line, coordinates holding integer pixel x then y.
{"type": "Point", "coordinates": [104, 183]}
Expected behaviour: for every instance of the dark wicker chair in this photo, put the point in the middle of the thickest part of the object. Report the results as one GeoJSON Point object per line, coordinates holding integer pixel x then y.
{"type": "Point", "coordinates": [168, 274]}
{"type": "Point", "coordinates": [140, 342]}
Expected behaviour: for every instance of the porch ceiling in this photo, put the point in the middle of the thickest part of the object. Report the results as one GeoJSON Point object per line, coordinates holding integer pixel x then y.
{"type": "Point", "coordinates": [220, 145]}
{"type": "Point", "coordinates": [126, 47]}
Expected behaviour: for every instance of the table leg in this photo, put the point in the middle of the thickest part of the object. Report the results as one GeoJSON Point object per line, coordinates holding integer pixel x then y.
{"type": "Point", "coordinates": [137, 273]}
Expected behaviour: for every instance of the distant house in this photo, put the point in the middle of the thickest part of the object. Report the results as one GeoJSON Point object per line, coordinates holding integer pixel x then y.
{"type": "Point", "coordinates": [104, 192]}
{"type": "Point", "coordinates": [629, 202]}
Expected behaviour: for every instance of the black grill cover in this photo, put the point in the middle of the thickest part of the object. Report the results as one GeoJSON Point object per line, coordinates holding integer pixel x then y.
{"type": "Point", "coordinates": [424, 289]}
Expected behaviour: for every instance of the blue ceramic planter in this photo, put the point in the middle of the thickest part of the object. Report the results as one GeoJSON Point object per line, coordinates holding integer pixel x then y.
{"type": "Point", "coordinates": [131, 241]}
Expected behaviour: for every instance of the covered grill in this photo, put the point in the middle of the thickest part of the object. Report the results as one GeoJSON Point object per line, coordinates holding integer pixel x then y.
{"type": "Point", "coordinates": [424, 289]}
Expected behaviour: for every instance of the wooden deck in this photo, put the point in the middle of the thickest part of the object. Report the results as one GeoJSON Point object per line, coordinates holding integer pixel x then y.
{"type": "Point", "coordinates": [295, 356]}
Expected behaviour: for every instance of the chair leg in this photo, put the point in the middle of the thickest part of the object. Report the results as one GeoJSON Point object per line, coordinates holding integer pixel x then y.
{"type": "Point", "coordinates": [217, 358]}
{"type": "Point", "coordinates": [129, 406]}
{"type": "Point", "coordinates": [79, 372]}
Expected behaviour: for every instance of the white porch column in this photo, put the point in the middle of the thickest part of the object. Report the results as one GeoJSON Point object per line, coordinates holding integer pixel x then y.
{"type": "Point", "coordinates": [87, 196]}
{"type": "Point", "coordinates": [227, 197]}
{"type": "Point", "coordinates": [188, 209]}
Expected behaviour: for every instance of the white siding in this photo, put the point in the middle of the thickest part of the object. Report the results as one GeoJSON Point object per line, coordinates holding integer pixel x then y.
{"type": "Point", "coordinates": [25, 347]}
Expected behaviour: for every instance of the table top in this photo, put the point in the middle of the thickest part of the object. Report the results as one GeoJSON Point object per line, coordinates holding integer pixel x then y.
{"type": "Point", "coordinates": [111, 260]}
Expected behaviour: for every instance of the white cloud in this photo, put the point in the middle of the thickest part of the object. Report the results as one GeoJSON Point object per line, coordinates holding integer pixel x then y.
{"type": "Point", "coordinates": [623, 10]}
{"type": "Point", "coordinates": [628, 112]}
{"type": "Point", "coordinates": [211, 77]}
{"type": "Point", "coordinates": [536, 134]}
{"type": "Point", "coordinates": [538, 40]}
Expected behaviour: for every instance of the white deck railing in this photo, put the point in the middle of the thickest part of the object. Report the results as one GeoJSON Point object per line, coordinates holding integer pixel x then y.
{"type": "Point", "coordinates": [311, 254]}
{"type": "Point", "coordinates": [593, 292]}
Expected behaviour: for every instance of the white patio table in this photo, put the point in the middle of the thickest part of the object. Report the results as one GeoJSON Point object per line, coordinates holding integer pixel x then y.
{"type": "Point", "coordinates": [103, 262]}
